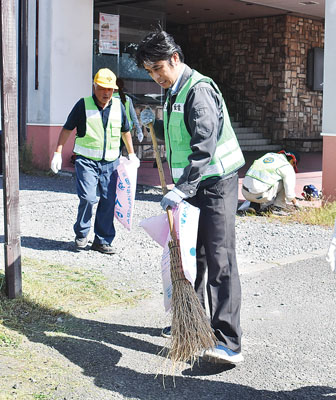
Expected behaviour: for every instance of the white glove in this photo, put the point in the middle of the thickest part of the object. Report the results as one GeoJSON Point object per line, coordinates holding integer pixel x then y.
{"type": "Point", "coordinates": [132, 157]}
{"type": "Point", "coordinates": [147, 116]}
{"type": "Point", "coordinates": [172, 199]}
{"type": "Point", "coordinates": [56, 162]}
{"type": "Point", "coordinates": [140, 136]}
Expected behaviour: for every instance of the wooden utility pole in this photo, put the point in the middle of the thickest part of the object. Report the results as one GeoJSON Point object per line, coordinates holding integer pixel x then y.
{"type": "Point", "coordinates": [9, 118]}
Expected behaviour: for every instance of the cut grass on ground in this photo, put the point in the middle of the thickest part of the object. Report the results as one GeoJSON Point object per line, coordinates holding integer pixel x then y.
{"type": "Point", "coordinates": [50, 290]}
{"type": "Point", "coordinates": [57, 303]}
{"type": "Point", "coordinates": [323, 216]}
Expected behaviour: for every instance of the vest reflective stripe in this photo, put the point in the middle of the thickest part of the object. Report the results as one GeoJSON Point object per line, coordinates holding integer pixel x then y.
{"type": "Point", "coordinates": [227, 153]}
{"type": "Point", "coordinates": [216, 169]}
{"type": "Point", "coordinates": [230, 160]}
{"type": "Point", "coordinates": [228, 156]}
{"type": "Point", "coordinates": [92, 113]}
{"type": "Point", "coordinates": [94, 154]}
{"type": "Point", "coordinates": [96, 144]}
{"type": "Point", "coordinates": [226, 148]}
{"type": "Point", "coordinates": [265, 169]}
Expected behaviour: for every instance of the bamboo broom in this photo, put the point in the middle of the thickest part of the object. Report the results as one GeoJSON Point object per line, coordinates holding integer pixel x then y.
{"type": "Point", "coordinates": [191, 330]}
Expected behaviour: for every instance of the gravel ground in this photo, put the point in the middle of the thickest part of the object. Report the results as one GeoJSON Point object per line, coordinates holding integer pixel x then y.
{"type": "Point", "coordinates": [288, 313]}
{"type": "Point", "coordinates": [48, 207]}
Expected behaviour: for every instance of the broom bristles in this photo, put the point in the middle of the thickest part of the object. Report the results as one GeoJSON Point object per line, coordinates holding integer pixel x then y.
{"type": "Point", "coordinates": [191, 330]}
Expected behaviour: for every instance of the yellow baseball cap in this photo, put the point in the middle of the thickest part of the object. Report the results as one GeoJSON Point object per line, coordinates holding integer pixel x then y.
{"type": "Point", "coordinates": [106, 78]}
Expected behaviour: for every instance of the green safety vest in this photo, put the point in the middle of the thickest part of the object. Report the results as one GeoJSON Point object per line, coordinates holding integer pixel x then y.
{"type": "Point", "coordinates": [127, 108]}
{"type": "Point", "coordinates": [265, 169]}
{"type": "Point", "coordinates": [228, 156]}
{"type": "Point", "coordinates": [94, 144]}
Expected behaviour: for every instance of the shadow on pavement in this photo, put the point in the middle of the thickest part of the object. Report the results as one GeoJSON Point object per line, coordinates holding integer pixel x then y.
{"type": "Point", "coordinates": [67, 184]}
{"type": "Point", "coordinates": [89, 345]}
{"type": "Point", "coordinates": [43, 244]}
{"type": "Point", "coordinates": [148, 194]}
{"type": "Point", "coordinates": [55, 183]}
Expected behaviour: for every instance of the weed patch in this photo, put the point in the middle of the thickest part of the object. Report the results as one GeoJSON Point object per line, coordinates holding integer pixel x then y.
{"type": "Point", "coordinates": [51, 290]}
{"type": "Point", "coordinates": [323, 216]}
{"type": "Point", "coordinates": [38, 326]}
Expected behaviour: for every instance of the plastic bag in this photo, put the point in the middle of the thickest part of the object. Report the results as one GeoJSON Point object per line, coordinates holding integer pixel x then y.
{"type": "Point", "coordinates": [125, 193]}
{"type": "Point", "coordinates": [186, 225]}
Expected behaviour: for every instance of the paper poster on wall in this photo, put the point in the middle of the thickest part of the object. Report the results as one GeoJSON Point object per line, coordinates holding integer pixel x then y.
{"type": "Point", "coordinates": [108, 33]}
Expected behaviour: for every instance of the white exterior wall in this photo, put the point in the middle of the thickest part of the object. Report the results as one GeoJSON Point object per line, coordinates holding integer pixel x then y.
{"type": "Point", "coordinates": [329, 84]}
{"type": "Point", "coordinates": [65, 58]}
{"type": "Point", "coordinates": [329, 118]}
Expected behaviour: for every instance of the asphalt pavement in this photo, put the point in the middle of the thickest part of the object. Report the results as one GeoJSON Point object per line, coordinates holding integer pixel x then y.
{"type": "Point", "coordinates": [288, 313]}
{"type": "Point", "coordinates": [289, 324]}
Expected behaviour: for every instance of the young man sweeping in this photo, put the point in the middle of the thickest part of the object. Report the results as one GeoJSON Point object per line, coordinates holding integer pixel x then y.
{"type": "Point", "coordinates": [204, 156]}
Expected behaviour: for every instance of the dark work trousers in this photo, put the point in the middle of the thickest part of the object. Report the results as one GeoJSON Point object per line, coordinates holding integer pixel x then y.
{"type": "Point", "coordinates": [216, 253]}
{"type": "Point", "coordinates": [92, 176]}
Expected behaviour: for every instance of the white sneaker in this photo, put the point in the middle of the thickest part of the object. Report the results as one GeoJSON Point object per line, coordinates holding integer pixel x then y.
{"type": "Point", "coordinates": [223, 355]}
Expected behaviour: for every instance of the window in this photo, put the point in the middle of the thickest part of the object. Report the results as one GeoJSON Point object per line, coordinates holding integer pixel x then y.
{"type": "Point", "coordinates": [135, 23]}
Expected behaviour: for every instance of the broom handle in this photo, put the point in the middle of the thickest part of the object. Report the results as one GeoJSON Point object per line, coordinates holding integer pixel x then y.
{"type": "Point", "coordinates": [158, 159]}
{"type": "Point", "coordinates": [162, 179]}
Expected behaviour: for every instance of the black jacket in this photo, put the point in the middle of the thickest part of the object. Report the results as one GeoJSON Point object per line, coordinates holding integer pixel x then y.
{"type": "Point", "coordinates": [204, 120]}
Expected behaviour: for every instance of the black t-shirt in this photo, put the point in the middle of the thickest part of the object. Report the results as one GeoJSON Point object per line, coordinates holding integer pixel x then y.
{"type": "Point", "coordinates": [77, 117]}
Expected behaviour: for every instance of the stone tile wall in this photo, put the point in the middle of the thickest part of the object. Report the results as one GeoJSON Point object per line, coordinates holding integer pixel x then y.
{"type": "Point", "coordinates": [260, 65]}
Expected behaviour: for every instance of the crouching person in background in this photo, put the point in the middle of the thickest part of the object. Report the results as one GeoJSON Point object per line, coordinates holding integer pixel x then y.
{"type": "Point", "coordinates": [269, 184]}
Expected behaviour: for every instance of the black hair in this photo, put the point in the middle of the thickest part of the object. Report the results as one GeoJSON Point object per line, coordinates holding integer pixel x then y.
{"type": "Point", "coordinates": [156, 46]}
{"type": "Point", "coordinates": [120, 84]}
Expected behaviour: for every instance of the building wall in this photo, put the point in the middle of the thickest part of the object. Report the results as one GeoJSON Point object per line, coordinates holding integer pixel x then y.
{"type": "Point", "coordinates": [64, 71]}
{"type": "Point", "coordinates": [329, 116]}
{"type": "Point", "coordinates": [39, 99]}
{"type": "Point", "coordinates": [303, 107]}
{"type": "Point", "coordinates": [261, 65]}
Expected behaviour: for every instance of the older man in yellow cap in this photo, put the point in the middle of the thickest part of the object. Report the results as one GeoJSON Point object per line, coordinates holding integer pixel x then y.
{"type": "Point", "coordinates": [100, 121]}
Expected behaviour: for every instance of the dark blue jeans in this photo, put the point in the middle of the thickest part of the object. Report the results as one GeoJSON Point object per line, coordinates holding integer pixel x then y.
{"type": "Point", "coordinates": [92, 177]}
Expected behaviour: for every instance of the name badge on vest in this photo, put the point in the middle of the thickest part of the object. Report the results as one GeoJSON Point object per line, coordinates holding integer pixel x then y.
{"type": "Point", "coordinates": [178, 107]}
{"type": "Point", "coordinates": [165, 106]}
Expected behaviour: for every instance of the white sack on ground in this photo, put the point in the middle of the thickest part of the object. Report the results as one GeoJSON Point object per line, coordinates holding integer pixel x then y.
{"type": "Point", "coordinates": [331, 256]}
{"type": "Point", "coordinates": [186, 225]}
{"type": "Point", "coordinates": [125, 193]}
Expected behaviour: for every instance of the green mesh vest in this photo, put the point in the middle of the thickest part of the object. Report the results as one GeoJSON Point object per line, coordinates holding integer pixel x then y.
{"type": "Point", "coordinates": [127, 108]}
{"type": "Point", "coordinates": [265, 169]}
{"type": "Point", "coordinates": [92, 144]}
{"type": "Point", "coordinates": [228, 156]}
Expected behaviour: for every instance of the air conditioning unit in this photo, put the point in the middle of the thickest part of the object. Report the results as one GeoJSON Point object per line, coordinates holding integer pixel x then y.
{"type": "Point", "coordinates": [315, 68]}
